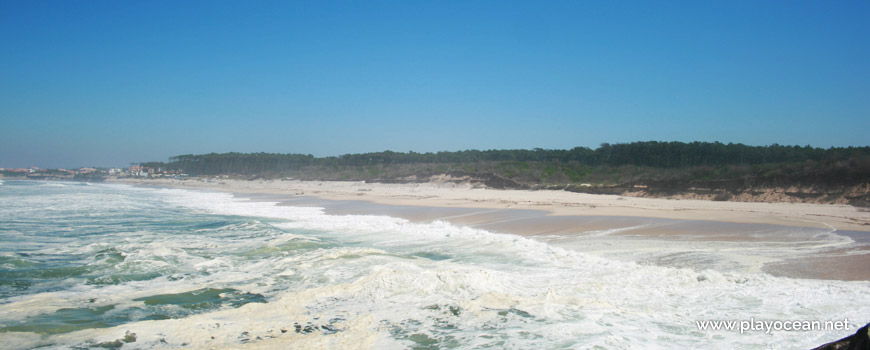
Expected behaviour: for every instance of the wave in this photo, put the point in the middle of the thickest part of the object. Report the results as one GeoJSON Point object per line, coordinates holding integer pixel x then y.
{"type": "Point", "coordinates": [550, 283]}
{"type": "Point", "coordinates": [357, 281]}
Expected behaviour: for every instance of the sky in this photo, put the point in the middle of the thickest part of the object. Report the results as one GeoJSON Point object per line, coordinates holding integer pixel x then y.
{"type": "Point", "coordinates": [107, 83]}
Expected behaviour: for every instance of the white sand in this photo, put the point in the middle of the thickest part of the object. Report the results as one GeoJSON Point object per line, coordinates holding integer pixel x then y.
{"type": "Point", "coordinates": [448, 194]}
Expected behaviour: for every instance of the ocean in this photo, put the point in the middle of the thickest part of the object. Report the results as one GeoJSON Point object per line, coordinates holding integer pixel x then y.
{"type": "Point", "coordinates": [115, 266]}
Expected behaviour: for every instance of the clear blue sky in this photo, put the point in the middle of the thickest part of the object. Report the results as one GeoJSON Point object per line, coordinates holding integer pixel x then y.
{"type": "Point", "coordinates": [106, 83]}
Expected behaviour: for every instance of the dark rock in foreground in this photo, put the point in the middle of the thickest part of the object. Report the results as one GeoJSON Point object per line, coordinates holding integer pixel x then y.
{"type": "Point", "coordinates": [858, 341]}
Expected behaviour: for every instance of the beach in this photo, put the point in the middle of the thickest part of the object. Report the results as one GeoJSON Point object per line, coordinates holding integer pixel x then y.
{"type": "Point", "coordinates": [783, 239]}
{"type": "Point", "coordinates": [559, 203]}
{"type": "Point", "coordinates": [149, 265]}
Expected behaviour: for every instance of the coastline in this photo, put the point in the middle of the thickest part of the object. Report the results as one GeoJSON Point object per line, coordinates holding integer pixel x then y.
{"type": "Point", "coordinates": [555, 203]}
{"type": "Point", "coordinates": [779, 239]}
{"type": "Point", "coordinates": [344, 265]}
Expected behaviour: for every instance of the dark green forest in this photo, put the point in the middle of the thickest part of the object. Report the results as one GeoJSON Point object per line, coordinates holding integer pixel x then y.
{"type": "Point", "coordinates": [659, 164]}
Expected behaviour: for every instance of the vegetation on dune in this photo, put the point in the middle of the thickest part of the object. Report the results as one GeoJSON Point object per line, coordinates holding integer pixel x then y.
{"type": "Point", "coordinates": [618, 163]}
{"type": "Point", "coordinates": [657, 166]}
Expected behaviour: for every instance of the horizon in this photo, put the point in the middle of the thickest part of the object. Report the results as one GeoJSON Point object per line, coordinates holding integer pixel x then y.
{"type": "Point", "coordinates": [106, 84]}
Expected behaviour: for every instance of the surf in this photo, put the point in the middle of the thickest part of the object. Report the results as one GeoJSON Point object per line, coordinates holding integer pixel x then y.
{"type": "Point", "coordinates": [204, 269]}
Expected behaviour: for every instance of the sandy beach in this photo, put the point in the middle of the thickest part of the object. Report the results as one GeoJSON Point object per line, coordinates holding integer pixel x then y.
{"type": "Point", "coordinates": [179, 268]}
{"type": "Point", "coordinates": [555, 203]}
{"type": "Point", "coordinates": [782, 239]}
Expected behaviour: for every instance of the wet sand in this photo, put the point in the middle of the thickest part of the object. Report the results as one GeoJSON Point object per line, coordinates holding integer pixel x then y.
{"type": "Point", "coordinates": [788, 251]}
{"type": "Point", "coordinates": [559, 203]}
{"type": "Point", "coordinates": [782, 239]}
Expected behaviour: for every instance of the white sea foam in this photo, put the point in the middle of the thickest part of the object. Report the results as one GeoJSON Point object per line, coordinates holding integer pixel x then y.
{"type": "Point", "coordinates": [382, 282]}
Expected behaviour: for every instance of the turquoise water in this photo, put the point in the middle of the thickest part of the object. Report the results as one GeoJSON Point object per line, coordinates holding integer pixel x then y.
{"type": "Point", "coordinates": [114, 266]}
{"type": "Point", "coordinates": [75, 239]}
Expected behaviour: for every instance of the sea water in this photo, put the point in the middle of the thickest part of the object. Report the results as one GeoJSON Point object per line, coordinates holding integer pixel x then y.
{"type": "Point", "coordinates": [115, 266]}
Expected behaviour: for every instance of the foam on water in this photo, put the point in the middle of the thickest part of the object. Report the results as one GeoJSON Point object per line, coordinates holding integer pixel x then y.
{"type": "Point", "coordinates": [725, 247]}
{"type": "Point", "coordinates": [380, 282]}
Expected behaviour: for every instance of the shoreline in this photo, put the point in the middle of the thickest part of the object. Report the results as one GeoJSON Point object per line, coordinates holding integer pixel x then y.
{"type": "Point", "coordinates": [780, 239]}
{"type": "Point", "coordinates": [555, 203]}
{"type": "Point", "coordinates": [342, 258]}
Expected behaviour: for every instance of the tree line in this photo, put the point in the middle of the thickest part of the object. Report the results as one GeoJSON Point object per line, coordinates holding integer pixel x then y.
{"type": "Point", "coordinates": [669, 166]}
{"type": "Point", "coordinates": [666, 155]}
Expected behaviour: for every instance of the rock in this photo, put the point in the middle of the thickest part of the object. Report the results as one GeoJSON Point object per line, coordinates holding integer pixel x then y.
{"type": "Point", "coordinates": [858, 341]}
